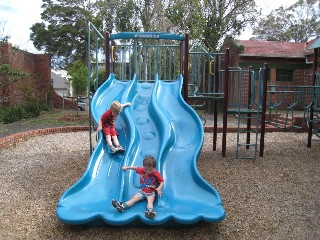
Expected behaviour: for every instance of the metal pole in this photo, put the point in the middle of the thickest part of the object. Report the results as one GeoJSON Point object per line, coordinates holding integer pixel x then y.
{"type": "Point", "coordinates": [225, 102]}
{"type": "Point", "coordinates": [107, 50]}
{"type": "Point", "coordinates": [215, 112]}
{"type": "Point", "coordinates": [88, 89]}
{"type": "Point", "coordinates": [113, 56]}
{"type": "Point", "coordinates": [249, 107]}
{"type": "Point", "coordinates": [313, 81]}
{"type": "Point", "coordinates": [186, 72]}
{"type": "Point", "coordinates": [263, 110]}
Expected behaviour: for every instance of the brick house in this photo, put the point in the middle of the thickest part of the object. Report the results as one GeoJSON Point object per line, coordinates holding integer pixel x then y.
{"type": "Point", "coordinates": [37, 85]}
{"type": "Point", "coordinates": [290, 63]}
{"type": "Point", "coordinates": [290, 66]}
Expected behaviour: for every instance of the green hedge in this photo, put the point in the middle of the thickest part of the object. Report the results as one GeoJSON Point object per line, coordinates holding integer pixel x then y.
{"type": "Point", "coordinates": [14, 114]}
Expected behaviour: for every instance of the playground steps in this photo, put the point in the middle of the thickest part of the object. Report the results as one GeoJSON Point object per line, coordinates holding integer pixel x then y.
{"type": "Point", "coordinates": [283, 122]}
{"type": "Point", "coordinates": [247, 138]}
{"type": "Point", "coordinates": [279, 122]}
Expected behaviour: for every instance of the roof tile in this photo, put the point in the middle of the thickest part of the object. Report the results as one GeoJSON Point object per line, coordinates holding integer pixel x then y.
{"type": "Point", "coordinates": [274, 49]}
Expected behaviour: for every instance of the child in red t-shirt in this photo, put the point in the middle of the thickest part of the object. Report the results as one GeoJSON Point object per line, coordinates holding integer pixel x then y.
{"type": "Point", "coordinates": [106, 124]}
{"type": "Point", "coordinates": [150, 182]}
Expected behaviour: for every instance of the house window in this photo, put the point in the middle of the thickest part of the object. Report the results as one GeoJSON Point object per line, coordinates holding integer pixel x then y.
{"type": "Point", "coordinates": [284, 75]}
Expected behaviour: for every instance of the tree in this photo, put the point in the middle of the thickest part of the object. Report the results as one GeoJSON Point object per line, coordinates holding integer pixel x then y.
{"type": "Point", "coordinates": [4, 37]}
{"type": "Point", "coordinates": [151, 14]}
{"type": "Point", "coordinates": [10, 75]}
{"type": "Point", "coordinates": [79, 75]}
{"type": "Point", "coordinates": [297, 23]}
{"type": "Point", "coordinates": [63, 31]}
{"type": "Point", "coordinates": [133, 15]}
{"type": "Point", "coordinates": [117, 15]}
{"type": "Point", "coordinates": [211, 20]}
{"type": "Point", "coordinates": [100, 77]}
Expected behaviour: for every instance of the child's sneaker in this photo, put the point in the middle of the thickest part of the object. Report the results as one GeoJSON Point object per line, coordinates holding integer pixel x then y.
{"type": "Point", "coordinates": [150, 213]}
{"type": "Point", "coordinates": [120, 149]}
{"type": "Point", "coordinates": [118, 205]}
{"type": "Point", "coordinates": [113, 149]}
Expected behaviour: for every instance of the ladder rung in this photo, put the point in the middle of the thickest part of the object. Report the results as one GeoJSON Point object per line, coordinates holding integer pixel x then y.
{"type": "Point", "coordinates": [246, 117]}
{"type": "Point", "coordinates": [246, 114]}
{"type": "Point", "coordinates": [254, 157]}
{"type": "Point", "coordinates": [247, 144]}
{"type": "Point", "coordinates": [248, 131]}
{"type": "Point", "coordinates": [243, 110]}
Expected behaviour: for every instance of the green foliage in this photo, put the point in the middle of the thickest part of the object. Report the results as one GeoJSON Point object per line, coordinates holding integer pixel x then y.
{"type": "Point", "coordinates": [120, 15]}
{"type": "Point", "coordinates": [63, 32]}
{"type": "Point", "coordinates": [187, 16]}
{"type": "Point", "coordinates": [101, 78]}
{"type": "Point", "coordinates": [33, 109]}
{"type": "Point", "coordinates": [124, 17]}
{"type": "Point", "coordinates": [79, 75]}
{"type": "Point", "coordinates": [28, 94]}
{"type": "Point", "coordinates": [211, 20]}
{"type": "Point", "coordinates": [14, 114]}
{"type": "Point", "coordinates": [4, 39]}
{"type": "Point", "coordinates": [133, 15]}
{"type": "Point", "coordinates": [9, 75]}
{"type": "Point", "coordinates": [297, 23]}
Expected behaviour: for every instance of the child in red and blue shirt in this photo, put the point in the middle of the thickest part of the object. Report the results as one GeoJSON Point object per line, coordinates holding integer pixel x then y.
{"type": "Point", "coordinates": [151, 182]}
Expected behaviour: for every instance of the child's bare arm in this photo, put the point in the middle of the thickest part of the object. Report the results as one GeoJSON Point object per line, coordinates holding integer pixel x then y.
{"type": "Point", "coordinates": [126, 104]}
{"type": "Point", "coordinates": [159, 189]}
{"type": "Point", "coordinates": [129, 167]}
{"type": "Point", "coordinates": [99, 125]}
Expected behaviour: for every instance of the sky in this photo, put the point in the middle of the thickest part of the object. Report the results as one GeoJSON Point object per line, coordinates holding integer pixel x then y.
{"type": "Point", "coordinates": [17, 16]}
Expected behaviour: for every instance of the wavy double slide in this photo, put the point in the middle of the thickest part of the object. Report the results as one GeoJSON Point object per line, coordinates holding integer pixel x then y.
{"type": "Point", "coordinates": [159, 123]}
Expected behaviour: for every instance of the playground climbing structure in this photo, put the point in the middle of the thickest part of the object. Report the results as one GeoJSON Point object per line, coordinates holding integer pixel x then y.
{"type": "Point", "coordinates": [210, 83]}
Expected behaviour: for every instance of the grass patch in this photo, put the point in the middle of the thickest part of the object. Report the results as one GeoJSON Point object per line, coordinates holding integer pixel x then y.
{"type": "Point", "coordinates": [46, 119]}
{"type": "Point", "coordinates": [60, 118]}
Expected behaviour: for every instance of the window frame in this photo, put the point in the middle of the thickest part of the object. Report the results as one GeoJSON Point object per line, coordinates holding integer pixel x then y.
{"type": "Point", "coordinates": [284, 75]}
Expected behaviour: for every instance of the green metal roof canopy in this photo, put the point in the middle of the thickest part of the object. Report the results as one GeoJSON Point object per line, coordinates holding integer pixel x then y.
{"type": "Point", "coordinates": [315, 44]}
{"type": "Point", "coordinates": [141, 35]}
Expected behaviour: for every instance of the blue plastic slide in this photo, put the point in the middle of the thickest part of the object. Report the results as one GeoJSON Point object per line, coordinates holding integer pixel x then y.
{"type": "Point", "coordinates": [161, 124]}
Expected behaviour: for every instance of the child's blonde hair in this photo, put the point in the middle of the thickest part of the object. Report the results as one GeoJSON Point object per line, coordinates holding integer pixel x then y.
{"type": "Point", "coordinates": [116, 107]}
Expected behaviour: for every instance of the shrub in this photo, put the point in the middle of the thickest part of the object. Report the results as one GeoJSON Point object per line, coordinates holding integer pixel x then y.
{"type": "Point", "coordinates": [14, 114]}
{"type": "Point", "coordinates": [33, 110]}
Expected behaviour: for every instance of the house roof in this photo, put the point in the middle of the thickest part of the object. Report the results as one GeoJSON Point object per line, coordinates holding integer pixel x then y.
{"type": "Point", "coordinates": [59, 79]}
{"type": "Point", "coordinates": [273, 49]}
